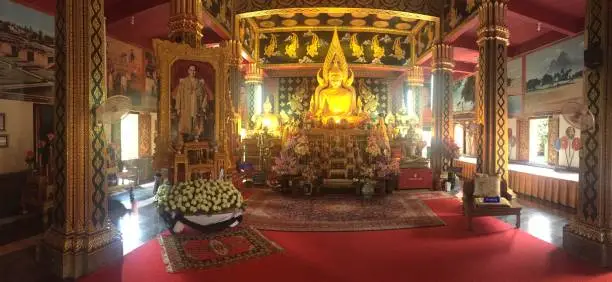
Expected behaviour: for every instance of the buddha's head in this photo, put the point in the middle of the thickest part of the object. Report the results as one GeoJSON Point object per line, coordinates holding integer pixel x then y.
{"type": "Point", "coordinates": [335, 76]}
{"type": "Point", "coordinates": [267, 106]}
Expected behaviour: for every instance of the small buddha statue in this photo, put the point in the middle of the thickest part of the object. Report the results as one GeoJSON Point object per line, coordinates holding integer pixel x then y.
{"type": "Point", "coordinates": [267, 120]}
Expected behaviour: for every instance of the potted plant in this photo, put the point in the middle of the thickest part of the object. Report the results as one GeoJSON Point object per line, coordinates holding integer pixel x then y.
{"type": "Point", "coordinates": [200, 203]}
{"type": "Point", "coordinates": [450, 151]}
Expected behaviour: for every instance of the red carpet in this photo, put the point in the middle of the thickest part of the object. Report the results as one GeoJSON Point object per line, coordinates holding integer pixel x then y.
{"type": "Point", "coordinates": [494, 252]}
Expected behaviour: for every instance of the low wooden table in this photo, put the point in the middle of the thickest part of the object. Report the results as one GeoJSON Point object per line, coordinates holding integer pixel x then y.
{"type": "Point", "coordinates": [471, 210]}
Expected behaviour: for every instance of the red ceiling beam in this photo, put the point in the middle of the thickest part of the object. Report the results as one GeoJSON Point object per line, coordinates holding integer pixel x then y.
{"type": "Point", "coordinates": [531, 12]}
{"type": "Point", "coordinates": [539, 42]}
{"type": "Point", "coordinates": [466, 42]}
{"type": "Point", "coordinates": [126, 8]}
{"type": "Point", "coordinates": [464, 67]}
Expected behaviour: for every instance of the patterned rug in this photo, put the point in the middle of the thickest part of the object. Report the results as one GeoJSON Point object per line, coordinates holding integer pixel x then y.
{"type": "Point", "coordinates": [182, 252]}
{"type": "Point", "coordinates": [274, 211]}
{"type": "Point", "coordinates": [428, 195]}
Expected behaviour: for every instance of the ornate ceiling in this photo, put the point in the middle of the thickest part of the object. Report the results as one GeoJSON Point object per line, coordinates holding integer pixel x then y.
{"type": "Point", "coordinates": [300, 35]}
{"type": "Point", "coordinates": [356, 21]}
{"type": "Point", "coordinates": [424, 7]}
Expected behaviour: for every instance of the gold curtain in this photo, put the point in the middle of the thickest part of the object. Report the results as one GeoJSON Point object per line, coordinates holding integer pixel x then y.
{"type": "Point", "coordinates": [144, 135]}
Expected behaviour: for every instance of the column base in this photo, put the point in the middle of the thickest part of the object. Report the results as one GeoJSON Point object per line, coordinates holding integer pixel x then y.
{"type": "Point", "coordinates": [583, 242]}
{"type": "Point", "coordinates": [71, 256]}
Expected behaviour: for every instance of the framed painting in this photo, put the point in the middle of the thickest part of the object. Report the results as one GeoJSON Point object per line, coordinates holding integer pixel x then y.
{"type": "Point", "coordinates": [4, 143]}
{"type": "Point", "coordinates": [191, 85]}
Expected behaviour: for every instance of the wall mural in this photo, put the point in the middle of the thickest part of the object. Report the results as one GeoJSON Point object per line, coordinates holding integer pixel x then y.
{"type": "Point", "coordinates": [221, 10]}
{"type": "Point", "coordinates": [554, 76]}
{"type": "Point", "coordinates": [247, 37]}
{"type": "Point", "coordinates": [27, 53]}
{"type": "Point", "coordinates": [515, 105]}
{"type": "Point", "coordinates": [514, 84]}
{"type": "Point", "coordinates": [425, 38]}
{"type": "Point", "coordinates": [457, 12]}
{"type": "Point", "coordinates": [311, 47]}
{"type": "Point", "coordinates": [464, 93]}
{"type": "Point", "coordinates": [291, 87]}
{"type": "Point", "coordinates": [132, 72]}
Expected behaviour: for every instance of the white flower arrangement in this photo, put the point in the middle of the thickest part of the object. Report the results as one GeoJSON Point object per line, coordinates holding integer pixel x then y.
{"type": "Point", "coordinates": [199, 197]}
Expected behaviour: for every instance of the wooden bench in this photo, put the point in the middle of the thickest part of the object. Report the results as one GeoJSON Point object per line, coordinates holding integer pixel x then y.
{"type": "Point", "coordinates": [471, 209]}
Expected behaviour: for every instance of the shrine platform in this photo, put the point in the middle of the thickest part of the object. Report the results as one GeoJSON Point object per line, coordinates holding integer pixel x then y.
{"type": "Point", "coordinates": [538, 182]}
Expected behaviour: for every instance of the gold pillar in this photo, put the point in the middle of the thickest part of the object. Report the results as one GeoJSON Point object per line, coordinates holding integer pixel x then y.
{"type": "Point", "coordinates": [523, 139]}
{"type": "Point", "coordinates": [414, 83]}
{"type": "Point", "coordinates": [186, 22]}
{"type": "Point", "coordinates": [492, 97]}
{"type": "Point", "coordinates": [232, 65]}
{"type": "Point", "coordinates": [589, 234]}
{"type": "Point", "coordinates": [553, 134]}
{"type": "Point", "coordinates": [81, 237]}
{"type": "Point", "coordinates": [254, 83]}
{"type": "Point", "coordinates": [442, 69]}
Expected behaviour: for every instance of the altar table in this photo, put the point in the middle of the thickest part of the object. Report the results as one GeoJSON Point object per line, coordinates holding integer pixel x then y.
{"type": "Point", "coordinates": [415, 178]}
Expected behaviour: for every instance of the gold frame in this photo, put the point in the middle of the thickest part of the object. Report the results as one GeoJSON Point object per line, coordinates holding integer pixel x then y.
{"type": "Point", "coordinates": [168, 53]}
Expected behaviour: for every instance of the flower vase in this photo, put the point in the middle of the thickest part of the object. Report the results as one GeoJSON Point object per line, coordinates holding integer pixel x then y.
{"type": "Point", "coordinates": [367, 190]}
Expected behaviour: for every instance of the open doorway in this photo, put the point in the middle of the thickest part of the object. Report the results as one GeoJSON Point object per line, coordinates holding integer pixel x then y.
{"type": "Point", "coordinates": [538, 141]}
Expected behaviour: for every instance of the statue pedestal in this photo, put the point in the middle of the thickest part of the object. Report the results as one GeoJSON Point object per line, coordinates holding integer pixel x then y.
{"type": "Point", "coordinates": [415, 178]}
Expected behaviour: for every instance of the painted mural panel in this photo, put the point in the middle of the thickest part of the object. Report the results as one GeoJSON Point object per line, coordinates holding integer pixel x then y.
{"type": "Point", "coordinates": [458, 11]}
{"type": "Point", "coordinates": [425, 38]}
{"type": "Point", "coordinates": [220, 10]}
{"type": "Point", "coordinates": [27, 53]}
{"type": "Point", "coordinates": [132, 72]}
{"type": "Point", "coordinates": [554, 76]}
{"type": "Point", "coordinates": [514, 84]}
{"type": "Point", "coordinates": [464, 93]}
{"type": "Point", "coordinates": [311, 47]}
{"type": "Point", "coordinates": [247, 37]}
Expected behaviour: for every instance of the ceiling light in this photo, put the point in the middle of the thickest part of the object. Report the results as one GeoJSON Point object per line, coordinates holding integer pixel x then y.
{"type": "Point", "coordinates": [539, 27]}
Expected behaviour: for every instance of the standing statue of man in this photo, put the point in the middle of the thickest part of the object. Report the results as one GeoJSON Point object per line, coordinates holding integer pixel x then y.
{"type": "Point", "coordinates": [190, 102]}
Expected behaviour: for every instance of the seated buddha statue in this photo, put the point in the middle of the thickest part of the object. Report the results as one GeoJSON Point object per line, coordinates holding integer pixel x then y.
{"type": "Point", "coordinates": [335, 97]}
{"type": "Point", "coordinates": [267, 120]}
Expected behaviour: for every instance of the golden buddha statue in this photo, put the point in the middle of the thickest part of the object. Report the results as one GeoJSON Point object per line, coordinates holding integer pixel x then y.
{"type": "Point", "coordinates": [267, 120]}
{"type": "Point", "coordinates": [335, 97]}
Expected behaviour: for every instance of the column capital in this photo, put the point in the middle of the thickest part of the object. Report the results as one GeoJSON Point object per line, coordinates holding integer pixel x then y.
{"type": "Point", "coordinates": [232, 49]}
{"type": "Point", "coordinates": [442, 57]}
{"type": "Point", "coordinates": [185, 24]}
{"type": "Point", "coordinates": [492, 21]}
{"type": "Point", "coordinates": [254, 74]}
{"type": "Point", "coordinates": [414, 76]}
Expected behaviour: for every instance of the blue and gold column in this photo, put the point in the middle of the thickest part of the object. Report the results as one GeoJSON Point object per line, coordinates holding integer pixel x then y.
{"type": "Point", "coordinates": [492, 99]}
{"type": "Point", "coordinates": [589, 233]}
{"type": "Point", "coordinates": [254, 93]}
{"type": "Point", "coordinates": [442, 75]}
{"type": "Point", "coordinates": [81, 237]}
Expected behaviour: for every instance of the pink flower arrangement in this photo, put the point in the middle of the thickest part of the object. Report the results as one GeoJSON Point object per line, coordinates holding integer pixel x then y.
{"type": "Point", "coordinates": [450, 149]}
{"type": "Point", "coordinates": [285, 164]}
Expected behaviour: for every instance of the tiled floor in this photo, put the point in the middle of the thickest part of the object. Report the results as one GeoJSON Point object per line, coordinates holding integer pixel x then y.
{"type": "Point", "coordinates": [143, 224]}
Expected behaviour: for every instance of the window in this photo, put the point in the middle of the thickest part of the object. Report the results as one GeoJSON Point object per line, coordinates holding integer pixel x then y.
{"type": "Point", "coordinates": [30, 56]}
{"type": "Point", "coordinates": [459, 137]}
{"type": "Point", "coordinates": [50, 60]}
{"type": "Point", "coordinates": [14, 51]}
{"type": "Point", "coordinates": [538, 140]}
{"type": "Point", "coordinates": [129, 137]}
{"type": "Point", "coordinates": [409, 102]}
